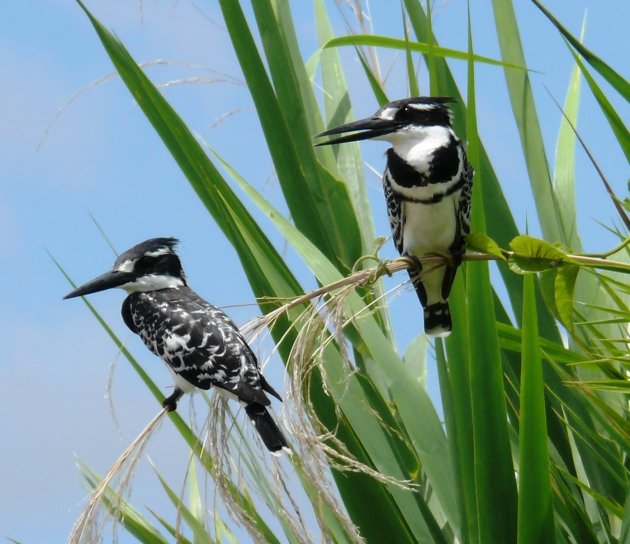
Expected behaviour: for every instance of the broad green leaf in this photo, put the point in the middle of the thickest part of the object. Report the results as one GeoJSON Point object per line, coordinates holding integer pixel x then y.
{"type": "Point", "coordinates": [338, 112]}
{"type": "Point", "coordinates": [495, 487]}
{"type": "Point", "coordinates": [453, 372]}
{"type": "Point", "coordinates": [534, 255]}
{"type": "Point", "coordinates": [564, 286]}
{"type": "Point", "coordinates": [415, 358]}
{"type": "Point", "coordinates": [195, 501]}
{"type": "Point", "coordinates": [476, 241]}
{"type": "Point", "coordinates": [564, 165]}
{"type": "Point", "coordinates": [524, 110]}
{"type": "Point", "coordinates": [535, 508]}
{"type": "Point", "coordinates": [347, 158]}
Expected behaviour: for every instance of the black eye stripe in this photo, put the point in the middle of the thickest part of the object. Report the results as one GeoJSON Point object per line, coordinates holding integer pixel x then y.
{"type": "Point", "coordinates": [145, 262]}
{"type": "Point", "coordinates": [436, 116]}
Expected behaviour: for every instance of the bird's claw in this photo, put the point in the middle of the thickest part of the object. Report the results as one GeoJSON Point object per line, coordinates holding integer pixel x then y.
{"type": "Point", "coordinates": [169, 405]}
{"type": "Point", "coordinates": [413, 261]}
{"type": "Point", "coordinates": [170, 402]}
{"type": "Point", "coordinates": [452, 260]}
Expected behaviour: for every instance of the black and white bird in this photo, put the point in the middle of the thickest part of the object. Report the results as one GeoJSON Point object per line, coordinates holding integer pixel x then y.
{"type": "Point", "coordinates": [428, 187]}
{"type": "Point", "coordinates": [200, 345]}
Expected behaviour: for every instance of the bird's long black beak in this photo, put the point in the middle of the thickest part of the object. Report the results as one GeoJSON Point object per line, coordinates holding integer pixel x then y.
{"type": "Point", "coordinates": [110, 279]}
{"type": "Point", "coordinates": [368, 128]}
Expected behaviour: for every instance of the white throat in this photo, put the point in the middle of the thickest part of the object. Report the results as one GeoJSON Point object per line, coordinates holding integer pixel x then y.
{"type": "Point", "coordinates": [153, 282]}
{"type": "Point", "coordinates": [416, 145]}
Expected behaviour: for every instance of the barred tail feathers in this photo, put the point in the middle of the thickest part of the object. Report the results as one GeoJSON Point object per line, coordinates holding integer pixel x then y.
{"type": "Point", "coordinates": [437, 319]}
{"type": "Point", "coordinates": [437, 316]}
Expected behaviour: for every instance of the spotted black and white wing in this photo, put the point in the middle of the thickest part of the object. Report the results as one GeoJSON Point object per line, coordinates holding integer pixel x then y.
{"type": "Point", "coordinates": [198, 341]}
{"type": "Point", "coordinates": [394, 212]}
{"type": "Point", "coordinates": [465, 197]}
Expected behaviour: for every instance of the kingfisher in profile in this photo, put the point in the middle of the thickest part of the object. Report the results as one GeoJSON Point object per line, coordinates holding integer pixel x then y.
{"type": "Point", "coordinates": [200, 344]}
{"type": "Point", "coordinates": [428, 188]}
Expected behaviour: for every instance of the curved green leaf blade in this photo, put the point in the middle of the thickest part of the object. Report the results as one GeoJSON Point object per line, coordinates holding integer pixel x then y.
{"type": "Point", "coordinates": [535, 509]}
{"type": "Point", "coordinates": [320, 204]}
{"type": "Point", "coordinates": [495, 487]}
{"type": "Point", "coordinates": [357, 40]}
{"type": "Point", "coordinates": [524, 110]}
{"type": "Point", "coordinates": [564, 164]}
{"type": "Point", "coordinates": [617, 81]}
{"type": "Point", "coordinates": [614, 119]}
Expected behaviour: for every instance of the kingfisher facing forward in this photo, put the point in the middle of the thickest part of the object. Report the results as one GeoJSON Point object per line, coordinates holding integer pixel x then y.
{"type": "Point", "coordinates": [428, 187]}
{"type": "Point", "coordinates": [200, 345]}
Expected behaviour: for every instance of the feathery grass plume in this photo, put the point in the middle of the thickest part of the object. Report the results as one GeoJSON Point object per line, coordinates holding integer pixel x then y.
{"type": "Point", "coordinates": [323, 326]}
{"type": "Point", "coordinates": [319, 324]}
{"type": "Point", "coordinates": [237, 462]}
{"type": "Point", "coordinates": [90, 524]}
{"type": "Point", "coordinates": [313, 467]}
{"type": "Point", "coordinates": [226, 467]}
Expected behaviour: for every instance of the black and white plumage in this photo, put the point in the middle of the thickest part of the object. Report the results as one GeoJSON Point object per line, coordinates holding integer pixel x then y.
{"type": "Point", "coordinates": [200, 344]}
{"type": "Point", "coordinates": [428, 187]}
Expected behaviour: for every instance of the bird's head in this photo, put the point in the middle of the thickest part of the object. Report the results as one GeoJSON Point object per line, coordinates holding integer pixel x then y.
{"type": "Point", "coordinates": [402, 119]}
{"type": "Point", "coordinates": [149, 266]}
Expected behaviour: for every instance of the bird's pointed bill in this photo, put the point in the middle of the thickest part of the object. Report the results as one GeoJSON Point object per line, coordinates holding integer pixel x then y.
{"type": "Point", "coordinates": [364, 128]}
{"type": "Point", "coordinates": [109, 280]}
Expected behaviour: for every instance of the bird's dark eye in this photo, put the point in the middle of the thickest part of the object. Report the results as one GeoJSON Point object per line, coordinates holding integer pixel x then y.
{"type": "Point", "coordinates": [406, 113]}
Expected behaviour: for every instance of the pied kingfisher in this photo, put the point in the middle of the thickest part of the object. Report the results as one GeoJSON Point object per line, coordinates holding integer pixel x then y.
{"type": "Point", "coordinates": [428, 186]}
{"type": "Point", "coordinates": [200, 345]}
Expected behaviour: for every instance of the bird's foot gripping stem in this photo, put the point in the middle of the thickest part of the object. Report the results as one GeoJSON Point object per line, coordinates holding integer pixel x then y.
{"type": "Point", "coordinates": [170, 402]}
{"type": "Point", "coordinates": [451, 260]}
{"type": "Point", "coordinates": [415, 263]}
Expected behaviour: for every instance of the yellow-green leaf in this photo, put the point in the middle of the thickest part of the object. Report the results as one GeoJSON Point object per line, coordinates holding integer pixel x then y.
{"type": "Point", "coordinates": [477, 241]}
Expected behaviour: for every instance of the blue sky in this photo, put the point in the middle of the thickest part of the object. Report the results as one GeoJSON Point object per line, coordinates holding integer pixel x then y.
{"type": "Point", "coordinates": [101, 157]}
